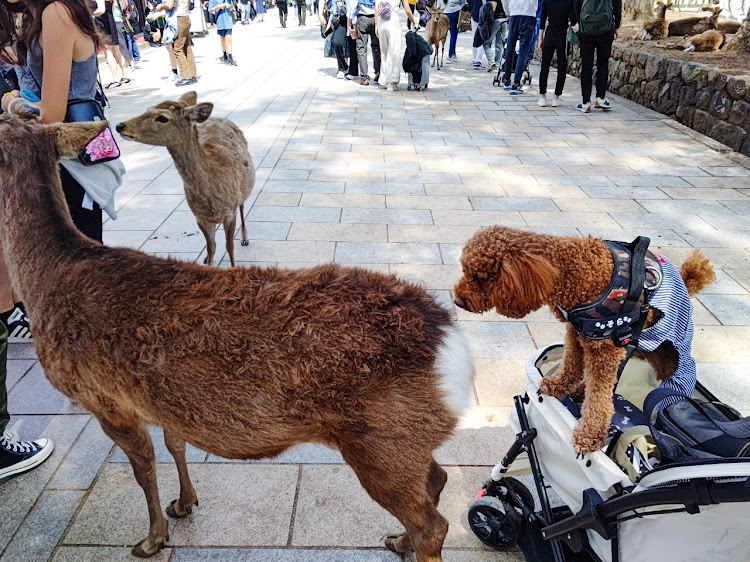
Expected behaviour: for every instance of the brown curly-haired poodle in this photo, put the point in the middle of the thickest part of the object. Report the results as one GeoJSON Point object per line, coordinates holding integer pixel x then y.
{"type": "Point", "coordinates": [517, 272]}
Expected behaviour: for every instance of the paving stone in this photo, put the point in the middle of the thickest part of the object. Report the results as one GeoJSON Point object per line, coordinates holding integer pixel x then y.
{"type": "Point", "coordinates": [427, 202]}
{"type": "Point", "coordinates": [306, 453]}
{"type": "Point", "coordinates": [430, 276]}
{"type": "Point", "coordinates": [501, 340]}
{"type": "Point", "coordinates": [44, 525]}
{"type": "Point", "coordinates": [392, 253]}
{"type": "Point", "coordinates": [581, 219]}
{"type": "Point", "coordinates": [386, 216]}
{"type": "Point", "coordinates": [478, 427]}
{"type": "Point", "coordinates": [731, 310]}
{"type": "Point", "coordinates": [100, 553]}
{"type": "Point", "coordinates": [513, 204]}
{"type": "Point", "coordinates": [286, 555]}
{"type": "Point", "coordinates": [22, 492]}
{"type": "Point", "coordinates": [16, 369]}
{"type": "Point", "coordinates": [81, 465]}
{"type": "Point", "coordinates": [240, 505]}
{"type": "Point", "coordinates": [144, 212]}
{"type": "Point", "coordinates": [609, 192]}
{"type": "Point", "coordinates": [286, 251]}
{"type": "Point", "coordinates": [35, 395]}
{"type": "Point", "coordinates": [343, 200]}
{"type": "Point", "coordinates": [294, 214]}
{"type": "Point", "coordinates": [339, 232]}
{"type": "Point", "coordinates": [273, 186]}
{"type": "Point", "coordinates": [498, 380]}
{"type": "Point", "coordinates": [477, 218]}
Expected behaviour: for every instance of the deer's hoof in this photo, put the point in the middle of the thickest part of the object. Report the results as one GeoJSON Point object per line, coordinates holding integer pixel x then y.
{"type": "Point", "coordinates": [142, 551]}
{"type": "Point", "coordinates": [245, 243]}
{"type": "Point", "coordinates": [392, 543]}
{"type": "Point", "coordinates": [173, 510]}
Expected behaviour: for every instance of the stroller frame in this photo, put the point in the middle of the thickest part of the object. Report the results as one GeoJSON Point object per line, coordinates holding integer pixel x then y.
{"type": "Point", "coordinates": [559, 535]}
{"type": "Point", "coordinates": [526, 79]}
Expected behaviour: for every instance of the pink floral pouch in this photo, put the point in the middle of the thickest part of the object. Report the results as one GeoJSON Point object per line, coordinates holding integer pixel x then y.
{"type": "Point", "coordinates": [103, 147]}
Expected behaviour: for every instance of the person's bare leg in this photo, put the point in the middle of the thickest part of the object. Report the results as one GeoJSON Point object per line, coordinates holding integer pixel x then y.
{"type": "Point", "coordinates": [111, 62]}
{"type": "Point", "coordinates": [172, 58]}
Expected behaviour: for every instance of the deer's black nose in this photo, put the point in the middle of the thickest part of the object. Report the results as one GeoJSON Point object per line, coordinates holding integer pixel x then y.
{"type": "Point", "coordinates": [120, 127]}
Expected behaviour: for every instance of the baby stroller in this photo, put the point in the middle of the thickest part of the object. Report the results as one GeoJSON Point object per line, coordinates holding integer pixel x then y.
{"type": "Point", "coordinates": [526, 79]}
{"type": "Point", "coordinates": [673, 513]}
{"type": "Point", "coordinates": [416, 61]}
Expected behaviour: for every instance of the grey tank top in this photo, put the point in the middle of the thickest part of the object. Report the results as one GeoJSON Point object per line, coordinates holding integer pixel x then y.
{"type": "Point", "coordinates": [83, 76]}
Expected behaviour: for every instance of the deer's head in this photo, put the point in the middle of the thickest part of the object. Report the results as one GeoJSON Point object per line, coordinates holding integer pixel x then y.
{"type": "Point", "coordinates": [169, 123]}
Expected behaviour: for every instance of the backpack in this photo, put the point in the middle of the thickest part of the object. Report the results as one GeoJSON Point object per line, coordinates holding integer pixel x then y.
{"type": "Point", "coordinates": [597, 17]}
{"type": "Point", "coordinates": [385, 11]}
{"type": "Point", "coordinates": [692, 429]}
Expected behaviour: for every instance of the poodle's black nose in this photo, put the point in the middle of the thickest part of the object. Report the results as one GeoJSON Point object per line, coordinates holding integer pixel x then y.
{"type": "Point", "coordinates": [120, 127]}
{"type": "Point", "coordinates": [459, 302]}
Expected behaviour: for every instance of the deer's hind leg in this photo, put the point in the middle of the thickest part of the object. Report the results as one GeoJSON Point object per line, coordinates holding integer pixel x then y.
{"type": "Point", "coordinates": [230, 224]}
{"type": "Point", "coordinates": [400, 483]}
{"type": "Point", "coordinates": [132, 437]}
{"type": "Point", "coordinates": [209, 232]}
{"type": "Point", "coordinates": [182, 506]}
{"type": "Point", "coordinates": [244, 241]}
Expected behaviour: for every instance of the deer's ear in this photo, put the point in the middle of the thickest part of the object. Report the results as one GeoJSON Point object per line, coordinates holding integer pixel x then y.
{"type": "Point", "coordinates": [72, 138]}
{"type": "Point", "coordinates": [191, 98]}
{"type": "Point", "coordinates": [199, 113]}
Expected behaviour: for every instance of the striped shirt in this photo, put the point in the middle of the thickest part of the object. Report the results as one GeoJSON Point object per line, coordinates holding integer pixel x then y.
{"type": "Point", "coordinates": [675, 326]}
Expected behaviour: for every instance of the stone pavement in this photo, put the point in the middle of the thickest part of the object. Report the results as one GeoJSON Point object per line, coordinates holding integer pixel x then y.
{"type": "Point", "coordinates": [395, 182]}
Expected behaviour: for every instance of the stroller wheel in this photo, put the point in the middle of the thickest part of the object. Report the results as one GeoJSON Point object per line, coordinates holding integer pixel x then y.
{"type": "Point", "coordinates": [521, 490]}
{"type": "Point", "coordinates": [490, 519]}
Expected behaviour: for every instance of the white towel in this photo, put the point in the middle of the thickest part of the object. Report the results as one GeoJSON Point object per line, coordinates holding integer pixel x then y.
{"type": "Point", "coordinates": [100, 182]}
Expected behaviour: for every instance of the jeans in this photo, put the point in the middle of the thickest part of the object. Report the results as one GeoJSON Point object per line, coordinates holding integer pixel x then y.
{"type": "Point", "coordinates": [301, 12]}
{"type": "Point", "coordinates": [603, 47]}
{"type": "Point", "coordinates": [499, 34]}
{"type": "Point", "coordinates": [365, 28]}
{"type": "Point", "coordinates": [283, 11]}
{"type": "Point", "coordinates": [453, 19]}
{"type": "Point", "coordinates": [520, 29]}
{"type": "Point", "coordinates": [244, 13]}
{"type": "Point", "coordinates": [562, 68]}
{"type": "Point", "coordinates": [132, 47]}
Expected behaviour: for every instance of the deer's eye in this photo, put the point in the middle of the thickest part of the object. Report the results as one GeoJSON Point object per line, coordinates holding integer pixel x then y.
{"type": "Point", "coordinates": [162, 119]}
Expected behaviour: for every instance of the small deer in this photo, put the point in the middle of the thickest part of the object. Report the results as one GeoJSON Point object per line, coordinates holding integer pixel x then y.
{"type": "Point", "coordinates": [242, 362]}
{"type": "Point", "coordinates": [657, 27]}
{"type": "Point", "coordinates": [694, 25]}
{"type": "Point", "coordinates": [706, 42]}
{"type": "Point", "coordinates": [436, 32]}
{"type": "Point", "coordinates": [213, 160]}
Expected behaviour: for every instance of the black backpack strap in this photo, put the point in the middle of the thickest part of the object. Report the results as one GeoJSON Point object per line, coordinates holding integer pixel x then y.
{"type": "Point", "coordinates": [627, 335]}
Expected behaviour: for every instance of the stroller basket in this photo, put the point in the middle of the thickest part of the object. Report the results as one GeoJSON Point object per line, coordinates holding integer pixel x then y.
{"type": "Point", "coordinates": [679, 513]}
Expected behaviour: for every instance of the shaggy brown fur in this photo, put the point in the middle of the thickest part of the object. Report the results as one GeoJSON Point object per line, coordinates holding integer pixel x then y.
{"type": "Point", "coordinates": [212, 158]}
{"type": "Point", "coordinates": [242, 363]}
{"type": "Point", "coordinates": [728, 27]}
{"type": "Point", "coordinates": [436, 32]}
{"type": "Point", "coordinates": [657, 27]}
{"type": "Point", "coordinates": [693, 25]}
{"type": "Point", "coordinates": [518, 272]}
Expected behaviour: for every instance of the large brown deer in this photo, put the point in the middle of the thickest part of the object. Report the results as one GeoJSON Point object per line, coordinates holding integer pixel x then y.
{"type": "Point", "coordinates": [694, 25]}
{"type": "Point", "coordinates": [213, 160]}
{"type": "Point", "coordinates": [655, 28]}
{"type": "Point", "coordinates": [436, 32]}
{"type": "Point", "coordinates": [241, 362]}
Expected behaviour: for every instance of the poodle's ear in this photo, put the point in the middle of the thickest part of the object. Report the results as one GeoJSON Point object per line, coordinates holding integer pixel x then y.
{"type": "Point", "coordinates": [524, 284]}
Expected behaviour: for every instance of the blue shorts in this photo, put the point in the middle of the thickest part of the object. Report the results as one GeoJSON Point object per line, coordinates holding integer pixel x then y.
{"type": "Point", "coordinates": [223, 32]}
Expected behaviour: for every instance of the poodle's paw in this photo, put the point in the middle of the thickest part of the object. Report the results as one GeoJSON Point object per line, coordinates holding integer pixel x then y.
{"type": "Point", "coordinates": [552, 386]}
{"type": "Point", "coordinates": [585, 442]}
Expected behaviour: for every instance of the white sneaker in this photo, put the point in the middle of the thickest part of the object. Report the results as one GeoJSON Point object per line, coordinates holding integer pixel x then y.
{"type": "Point", "coordinates": [584, 107]}
{"type": "Point", "coordinates": [340, 75]}
{"type": "Point", "coordinates": [604, 104]}
{"type": "Point", "coordinates": [542, 100]}
{"type": "Point", "coordinates": [555, 101]}
{"type": "Point", "coordinates": [492, 67]}
{"type": "Point", "coordinates": [453, 59]}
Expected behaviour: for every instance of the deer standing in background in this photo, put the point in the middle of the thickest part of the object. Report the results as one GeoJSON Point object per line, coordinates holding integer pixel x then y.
{"type": "Point", "coordinates": [213, 160]}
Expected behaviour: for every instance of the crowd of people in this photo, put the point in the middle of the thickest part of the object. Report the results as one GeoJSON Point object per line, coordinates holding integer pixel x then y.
{"type": "Point", "coordinates": [505, 32]}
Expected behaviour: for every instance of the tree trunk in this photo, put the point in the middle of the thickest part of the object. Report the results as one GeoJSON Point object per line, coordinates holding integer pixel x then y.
{"type": "Point", "coordinates": [637, 9]}
{"type": "Point", "coordinates": [741, 41]}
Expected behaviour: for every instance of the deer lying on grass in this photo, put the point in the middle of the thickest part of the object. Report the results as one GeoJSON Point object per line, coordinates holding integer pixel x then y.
{"type": "Point", "coordinates": [241, 362]}
{"type": "Point", "coordinates": [657, 27]}
{"type": "Point", "coordinates": [706, 42]}
{"type": "Point", "coordinates": [436, 32]}
{"type": "Point", "coordinates": [212, 158]}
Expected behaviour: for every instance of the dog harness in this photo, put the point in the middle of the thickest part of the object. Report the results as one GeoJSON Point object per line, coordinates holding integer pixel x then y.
{"type": "Point", "coordinates": [621, 311]}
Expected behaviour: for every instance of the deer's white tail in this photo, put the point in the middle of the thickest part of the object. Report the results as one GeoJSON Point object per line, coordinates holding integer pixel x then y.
{"type": "Point", "coordinates": [455, 369]}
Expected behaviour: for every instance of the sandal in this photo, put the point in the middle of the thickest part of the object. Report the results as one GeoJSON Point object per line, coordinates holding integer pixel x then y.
{"type": "Point", "coordinates": [112, 85]}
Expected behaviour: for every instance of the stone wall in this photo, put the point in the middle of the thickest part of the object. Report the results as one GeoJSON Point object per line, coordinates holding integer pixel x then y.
{"type": "Point", "coordinates": [699, 96]}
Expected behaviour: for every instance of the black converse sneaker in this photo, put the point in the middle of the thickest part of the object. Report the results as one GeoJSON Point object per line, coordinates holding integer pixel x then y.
{"type": "Point", "coordinates": [19, 456]}
{"type": "Point", "coordinates": [18, 325]}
